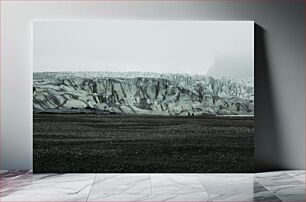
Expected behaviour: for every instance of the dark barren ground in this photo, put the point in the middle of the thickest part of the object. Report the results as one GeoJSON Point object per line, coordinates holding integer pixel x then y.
{"type": "Point", "coordinates": [149, 144]}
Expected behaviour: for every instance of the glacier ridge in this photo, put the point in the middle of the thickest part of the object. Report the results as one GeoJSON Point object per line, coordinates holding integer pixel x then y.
{"type": "Point", "coordinates": [145, 93]}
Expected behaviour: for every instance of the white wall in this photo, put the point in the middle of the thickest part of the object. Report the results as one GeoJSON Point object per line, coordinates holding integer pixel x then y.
{"type": "Point", "coordinates": [280, 111]}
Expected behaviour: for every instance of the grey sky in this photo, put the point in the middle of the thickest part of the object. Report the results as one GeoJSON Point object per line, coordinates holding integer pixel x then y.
{"type": "Point", "coordinates": [148, 46]}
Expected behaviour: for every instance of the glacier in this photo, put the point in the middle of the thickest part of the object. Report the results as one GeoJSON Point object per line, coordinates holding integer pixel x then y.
{"type": "Point", "coordinates": [143, 93]}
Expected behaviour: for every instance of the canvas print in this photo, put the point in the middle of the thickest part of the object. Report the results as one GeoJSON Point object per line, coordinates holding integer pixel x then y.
{"type": "Point", "coordinates": [143, 96]}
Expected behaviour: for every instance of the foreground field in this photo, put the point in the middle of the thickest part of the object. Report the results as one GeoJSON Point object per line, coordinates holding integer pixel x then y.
{"type": "Point", "coordinates": [97, 143]}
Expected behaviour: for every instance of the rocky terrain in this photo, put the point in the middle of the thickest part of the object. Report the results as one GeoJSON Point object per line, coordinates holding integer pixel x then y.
{"type": "Point", "coordinates": [141, 93]}
{"type": "Point", "coordinates": [93, 143]}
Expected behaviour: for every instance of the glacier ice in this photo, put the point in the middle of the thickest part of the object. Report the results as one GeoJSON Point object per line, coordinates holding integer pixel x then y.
{"type": "Point", "coordinates": [141, 93]}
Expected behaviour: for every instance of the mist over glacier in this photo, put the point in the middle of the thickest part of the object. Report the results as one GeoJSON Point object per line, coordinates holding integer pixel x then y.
{"type": "Point", "coordinates": [145, 93]}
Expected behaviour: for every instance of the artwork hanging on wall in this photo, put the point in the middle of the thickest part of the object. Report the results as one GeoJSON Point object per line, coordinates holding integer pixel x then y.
{"type": "Point", "coordinates": [143, 96]}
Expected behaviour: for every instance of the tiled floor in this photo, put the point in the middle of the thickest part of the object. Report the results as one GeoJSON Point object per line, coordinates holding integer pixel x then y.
{"type": "Point", "coordinates": [273, 186]}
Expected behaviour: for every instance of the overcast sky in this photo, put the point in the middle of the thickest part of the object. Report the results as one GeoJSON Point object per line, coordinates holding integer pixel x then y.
{"type": "Point", "coordinates": [147, 46]}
